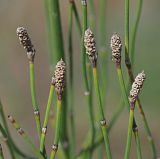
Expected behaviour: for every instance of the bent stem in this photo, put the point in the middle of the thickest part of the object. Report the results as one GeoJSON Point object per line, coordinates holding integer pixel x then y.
{"type": "Point", "coordinates": [9, 145]}
{"type": "Point", "coordinates": [34, 98]}
{"type": "Point", "coordinates": [58, 128]}
{"type": "Point", "coordinates": [25, 137]}
{"type": "Point", "coordinates": [46, 118]}
{"type": "Point", "coordinates": [101, 114]}
{"type": "Point", "coordinates": [16, 149]}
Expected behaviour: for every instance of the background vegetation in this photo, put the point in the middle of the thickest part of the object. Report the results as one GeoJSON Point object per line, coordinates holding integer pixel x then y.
{"type": "Point", "coordinates": [14, 79]}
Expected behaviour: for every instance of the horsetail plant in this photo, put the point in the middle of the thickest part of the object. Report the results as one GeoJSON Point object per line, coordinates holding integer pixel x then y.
{"type": "Point", "coordinates": [116, 47]}
{"type": "Point", "coordinates": [135, 90]}
{"type": "Point", "coordinates": [59, 84]}
{"type": "Point", "coordinates": [130, 68]}
{"type": "Point", "coordinates": [25, 41]}
{"type": "Point", "coordinates": [85, 71]}
{"type": "Point", "coordinates": [89, 43]}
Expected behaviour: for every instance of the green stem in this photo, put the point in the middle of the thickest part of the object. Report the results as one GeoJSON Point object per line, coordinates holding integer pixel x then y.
{"type": "Point", "coordinates": [46, 118]}
{"type": "Point", "coordinates": [131, 76]}
{"type": "Point", "coordinates": [129, 136]}
{"type": "Point", "coordinates": [126, 101]}
{"type": "Point", "coordinates": [16, 149]}
{"type": "Point", "coordinates": [92, 15]}
{"type": "Point", "coordinates": [101, 114]}
{"type": "Point", "coordinates": [135, 29]}
{"type": "Point", "coordinates": [55, 31]}
{"type": "Point", "coordinates": [9, 145]}
{"type": "Point", "coordinates": [138, 145]}
{"type": "Point", "coordinates": [71, 93]}
{"type": "Point", "coordinates": [147, 129]}
{"type": "Point", "coordinates": [58, 128]}
{"type": "Point", "coordinates": [77, 18]}
{"type": "Point", "coordinates": [25, 137]}
{"type": "Point", "coordinates": [99, 139]}
{"type": "Point", "coordinates": [103, 54]}
{"type": "Point", "coordinates": [1, 152]}
{"type": "Point", "coordinates": [88, 92]}
{"type": "Point", "coordinates": [126, 31]}
{"type": "Point", "coordinates": [34, 98]}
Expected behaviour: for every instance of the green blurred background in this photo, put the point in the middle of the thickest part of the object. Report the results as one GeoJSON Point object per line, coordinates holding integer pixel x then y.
{"type": "Point", "coordinates": [14, 77]}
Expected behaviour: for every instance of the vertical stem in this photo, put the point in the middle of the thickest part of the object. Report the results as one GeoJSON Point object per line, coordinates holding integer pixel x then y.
{"type": "Point", "coordinates": [129, 135]}
{"type": "Point", "coordinates": [103, 55]}
{"type": "Point", "coordinates": [56, 54]}
{"type": "Point", "coordinates": [77, 18]}
{"type": "Point", "coordinates": [92, 15]}
{"type": "Point", "coordinates": [101, 114]}
{"type": "Point", "coordinates": [135, 29]}
{"type": "Point", "coordinates": [131, 76]}
{"type": "Point", "coordinates": [58, 129]}
{"type": "Point", "coordinates": [138, 145]}
{"type": "Point", "coordinates": [34, 98]}
{"type": "Point", "coordinates": [88, 93]}
{"type": "Point", "coordinates": [71, 93]}
{"type": "Point", "coordinates": [126, 30]}
{"type": "Point", "coordinates": [126, 102]}
{"type": "Point", "coordinates": [55, 31]}
{"type": "Point", "coordinates": [46, 118]}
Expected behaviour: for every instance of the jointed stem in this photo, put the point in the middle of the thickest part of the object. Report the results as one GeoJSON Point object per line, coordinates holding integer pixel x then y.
{"type": "Point", "coordinates": [46, 118]}
{"type": "Point", "coordinates": [25, 137]}
{"type": "Point", "coordinates": [101, 114]}
{"type": "Point", "coordinates": [34, 98]}
{"type": "Point", "coordinates": [86, 82]}
{"type": "Point", "coordinates": [15, 148]}
{"type": "Point", "coordinates": [58, 129]}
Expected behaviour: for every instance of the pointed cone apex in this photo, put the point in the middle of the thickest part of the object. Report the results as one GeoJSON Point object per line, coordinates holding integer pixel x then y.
{"type": "Point", "coordinates": [59, 78]}
{"type": "Point", "coordinates": [136, 87]}
{"type": "Point", "coordinates": [26, 43]}
{"type": "Point", "coordinates": [90, 45]}
{"type": "Point", "coordinates": [116, 47]}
